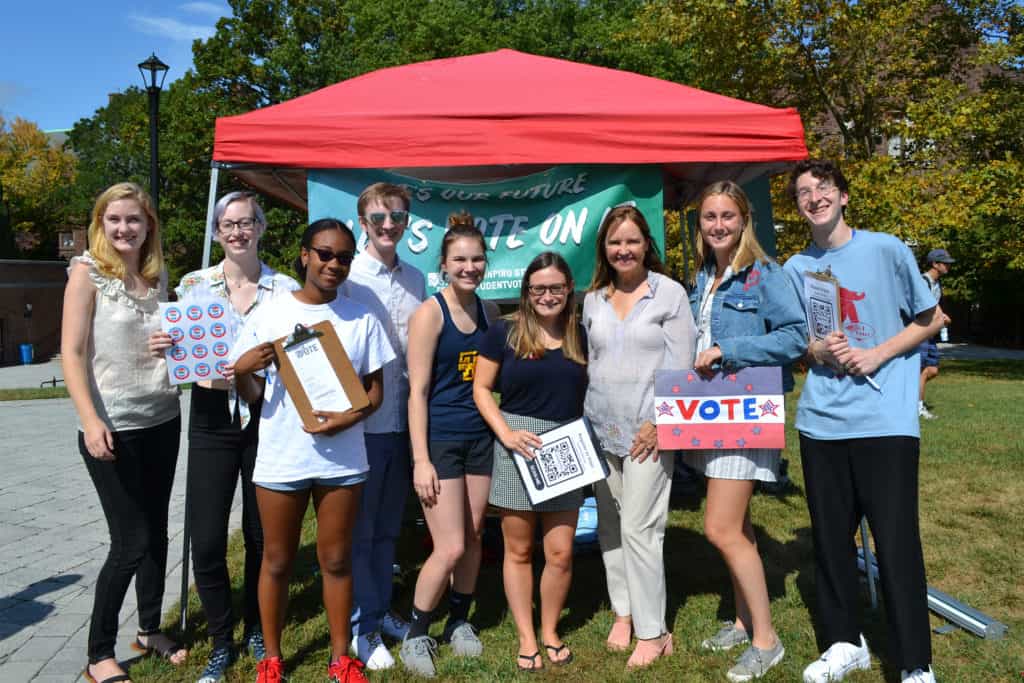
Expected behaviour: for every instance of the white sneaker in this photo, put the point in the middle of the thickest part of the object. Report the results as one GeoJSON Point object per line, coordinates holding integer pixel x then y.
{"type": "Point", "coordinates": [918, 676]}
{"type": "Point", "coordinates": [369, 649]}
{"type": "Point", "coordinates": [922, 411]}
{"type": "Point", "coordinates": [837, 661]}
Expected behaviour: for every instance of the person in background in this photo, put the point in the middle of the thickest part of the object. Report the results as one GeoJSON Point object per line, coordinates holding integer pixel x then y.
{"type": "Point", "coordinates": [939, 262]}
{"type": "Point", "coordinates": [326, 463]}
{"type": "Point", "coordinates": [223, 433]}
{"type": "Point", "coordinates": [129, 415]}
{"type": "Point", "coordinates": [392, 289]}
{"type": "Point", "coordinates": [748, 314]}
{"type": "Point", "coordinates": [536, 359]}
{"type": "Point", "coordinates": [859, 430]}
{"type": "Point", "coordinates": [637, 321]}
{"type": "Point", "coordinates": [451, 445]}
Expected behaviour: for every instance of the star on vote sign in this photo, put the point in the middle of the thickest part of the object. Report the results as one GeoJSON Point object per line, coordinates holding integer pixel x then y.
{"type": "Point", "coordinates": [744, 409]}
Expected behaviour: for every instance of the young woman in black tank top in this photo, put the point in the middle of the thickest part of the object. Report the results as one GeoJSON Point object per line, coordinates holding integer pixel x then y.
{"type": "Point", "coordinates": [451, 445]}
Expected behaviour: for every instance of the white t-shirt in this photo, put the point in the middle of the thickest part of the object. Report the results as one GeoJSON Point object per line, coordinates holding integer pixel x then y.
{"type": "Point", "coordinates": [286, 453]}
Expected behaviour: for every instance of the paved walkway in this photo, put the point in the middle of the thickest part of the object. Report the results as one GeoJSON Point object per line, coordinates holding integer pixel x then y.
{"type": "Point", "coordinates": [53, 540]}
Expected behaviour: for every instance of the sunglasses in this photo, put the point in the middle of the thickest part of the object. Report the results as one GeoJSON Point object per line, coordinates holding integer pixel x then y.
{"type": "Point", "coordinates": [326, 256]}
{"type": "Point", "coordinates": [377, 218]}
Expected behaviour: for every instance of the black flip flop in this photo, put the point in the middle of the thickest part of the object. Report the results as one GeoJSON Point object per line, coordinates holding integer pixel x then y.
{"type": "Point", "coordinates": [555, 650]}
{"type": "Point", "coordinates": [532, 659]}
{"type": "Point", "coordinates": [111, 679]}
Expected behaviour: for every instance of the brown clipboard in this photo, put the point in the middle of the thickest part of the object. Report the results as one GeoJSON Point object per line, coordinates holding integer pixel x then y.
{"type": "Point", "coordinates": [350, 380]}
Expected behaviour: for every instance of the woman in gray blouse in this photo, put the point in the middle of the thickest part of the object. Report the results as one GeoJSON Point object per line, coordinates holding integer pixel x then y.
{"type": "Point", "coordinates": [637, 320]}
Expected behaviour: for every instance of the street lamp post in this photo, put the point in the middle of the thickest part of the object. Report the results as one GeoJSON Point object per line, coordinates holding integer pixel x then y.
{"type": "Point", "coordinates": [153, 73]}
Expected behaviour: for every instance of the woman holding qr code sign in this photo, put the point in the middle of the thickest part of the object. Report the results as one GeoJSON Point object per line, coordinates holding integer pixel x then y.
{"type": "Point", "coordinates": [536, 359]}
{"type": "Point", "coordinates": [748, 314]}
{"type": "Point", "coordinates": [637, 321]}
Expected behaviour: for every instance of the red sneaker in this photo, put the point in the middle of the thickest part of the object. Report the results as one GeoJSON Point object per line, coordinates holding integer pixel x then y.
{"type": "Point", "coordinates": [270, 670]}
{"type": "Point", "coordinates": [345, 669]}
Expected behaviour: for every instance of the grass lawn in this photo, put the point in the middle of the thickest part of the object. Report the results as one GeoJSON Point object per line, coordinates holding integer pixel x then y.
{"type": "Point", "coordinates": [32, 393]}
{"type": "Point", "coordinates": [972, 486]}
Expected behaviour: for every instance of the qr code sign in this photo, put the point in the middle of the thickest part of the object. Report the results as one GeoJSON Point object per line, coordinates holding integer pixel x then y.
{"type": "Point", "coordinates": [821, 318]}
{"type": "Point", "coordinates": [559, 461]}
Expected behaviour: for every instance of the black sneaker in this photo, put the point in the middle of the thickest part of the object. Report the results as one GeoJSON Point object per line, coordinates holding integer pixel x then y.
{"type": "Point", "coordinates": [217, 665]}
{"type": "Point", "coordinates": [253, 642]}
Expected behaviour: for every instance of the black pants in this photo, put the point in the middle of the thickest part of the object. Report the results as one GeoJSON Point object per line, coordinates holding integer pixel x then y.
{"type": "Point", "coordinates": [219, 450]}
{"type": "Point", "coordinates": [876, 478]}
{"type": "Point", "coordinates": [134, 491]}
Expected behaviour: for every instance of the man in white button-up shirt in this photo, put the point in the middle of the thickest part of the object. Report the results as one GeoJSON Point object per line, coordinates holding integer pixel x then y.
{"type": "Point", "coordinates": [392, 289]}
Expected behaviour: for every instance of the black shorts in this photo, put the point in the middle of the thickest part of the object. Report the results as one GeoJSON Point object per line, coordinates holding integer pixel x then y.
{"type": "Point", "coordinates": [455, 459]}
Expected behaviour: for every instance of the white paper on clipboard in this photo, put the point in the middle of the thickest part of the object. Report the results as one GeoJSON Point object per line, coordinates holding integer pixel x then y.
{"type": "Point", "coordinates": [317, 376]}
{"type": "Point", "coordinates": [821, 298]}
{"type": "Point", "coordinates": [567, 460]}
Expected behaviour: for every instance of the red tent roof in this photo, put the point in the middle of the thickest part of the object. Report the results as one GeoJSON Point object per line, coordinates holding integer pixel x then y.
{"type": "Point", "coordinates": [507, 107]}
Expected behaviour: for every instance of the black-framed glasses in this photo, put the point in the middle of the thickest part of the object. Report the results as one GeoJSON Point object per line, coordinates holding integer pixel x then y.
{"type": "Point", "coordinates": [377, 218]}
{"type": "Point", "coordinates": [226, 227]}
{"type": "Point", "coordinates": [555, 290]}
{"type": "Point", "coordinates": [326, 256]}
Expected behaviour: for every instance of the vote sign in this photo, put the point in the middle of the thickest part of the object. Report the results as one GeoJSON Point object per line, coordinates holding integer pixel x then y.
{"type": "Point", "coordinates": [742, 410]}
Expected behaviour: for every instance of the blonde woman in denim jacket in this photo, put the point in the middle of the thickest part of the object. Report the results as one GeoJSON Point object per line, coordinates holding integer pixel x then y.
{"type": "Point", "coordinates": [747, 314]}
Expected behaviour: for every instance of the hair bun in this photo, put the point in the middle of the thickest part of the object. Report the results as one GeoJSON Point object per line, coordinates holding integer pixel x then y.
{"type": "Point", "coordinates": [462, 219]}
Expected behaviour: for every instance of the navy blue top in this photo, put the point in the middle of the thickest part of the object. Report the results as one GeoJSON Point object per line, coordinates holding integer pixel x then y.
{"type": "Point", "coordinates": [452, 414]}
{"type": "Point", "coordinates": [551, 387]}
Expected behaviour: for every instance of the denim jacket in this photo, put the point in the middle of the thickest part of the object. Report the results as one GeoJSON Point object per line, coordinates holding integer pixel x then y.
{"type": "Point", "coordinates": [756, 318]}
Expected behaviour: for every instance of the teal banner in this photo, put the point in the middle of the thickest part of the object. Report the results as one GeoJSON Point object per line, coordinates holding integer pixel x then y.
{"type": "Point", "coordinates": [559, 210]}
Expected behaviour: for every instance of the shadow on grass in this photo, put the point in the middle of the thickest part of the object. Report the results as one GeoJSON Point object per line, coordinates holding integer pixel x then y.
{"type": "Point", "coordinates": [988, 369]}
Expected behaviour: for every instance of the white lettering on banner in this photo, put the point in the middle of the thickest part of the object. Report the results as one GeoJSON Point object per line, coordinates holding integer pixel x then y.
{"type": "Point", "coordinates": [555, 228]}
{"type": "Point", "coordinates": [417, 228]}
{"type": "Point", "coordinates": [574, 227]}
{"type": "Point", "coordinates": [549, 229]}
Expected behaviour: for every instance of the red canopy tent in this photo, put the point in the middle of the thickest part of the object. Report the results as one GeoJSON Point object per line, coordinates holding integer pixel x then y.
{"type": "Point", "coordinates": [505, 113]}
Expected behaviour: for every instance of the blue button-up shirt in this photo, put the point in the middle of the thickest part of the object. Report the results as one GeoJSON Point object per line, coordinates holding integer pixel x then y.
{"type": "Point", "coordinates": [393, 295]}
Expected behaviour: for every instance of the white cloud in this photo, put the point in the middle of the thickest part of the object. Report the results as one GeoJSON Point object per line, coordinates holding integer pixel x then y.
{"type": "Point", "coordinates": [166, 27]}
{"type": "Point", "coordinates": [209, 8]}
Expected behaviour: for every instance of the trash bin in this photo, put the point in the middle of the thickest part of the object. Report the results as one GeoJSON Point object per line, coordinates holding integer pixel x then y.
{"type": "Point", "coordinates": [27, 352]}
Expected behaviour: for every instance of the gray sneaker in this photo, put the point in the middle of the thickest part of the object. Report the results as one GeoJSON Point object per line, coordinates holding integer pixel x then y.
{"type": "Point", "coordinates": [417, 654]}
{"type": "Point", "coordinates": [755, 662]}
{"type": "Point", "coordinates": [463, 639]}
{"type": "Point", "coordinates": [727, 638]}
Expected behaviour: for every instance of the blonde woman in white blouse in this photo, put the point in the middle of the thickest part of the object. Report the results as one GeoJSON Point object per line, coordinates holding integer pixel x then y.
{"type": "Point", "coordinates": [128, 412]}
{"type": "Point", "coordinates": [637, 320]}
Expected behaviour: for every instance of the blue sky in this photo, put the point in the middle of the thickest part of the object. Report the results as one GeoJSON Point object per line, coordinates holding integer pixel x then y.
{"type": "Point", "coordinates": [60, 60]}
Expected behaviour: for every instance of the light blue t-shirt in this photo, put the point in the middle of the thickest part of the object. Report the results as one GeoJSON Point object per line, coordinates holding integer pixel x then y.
{"type": "Point", "coordinates": [881, 291]}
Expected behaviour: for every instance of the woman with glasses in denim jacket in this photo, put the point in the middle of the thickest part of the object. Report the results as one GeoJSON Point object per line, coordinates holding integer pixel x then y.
{"type": "Point", "coordinates": [223, 433]}
{"type": "Point", "coordinates": [747, 314]}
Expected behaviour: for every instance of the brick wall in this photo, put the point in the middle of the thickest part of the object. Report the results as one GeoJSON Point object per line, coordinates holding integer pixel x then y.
{"type": "Point", "coordinates": [39, 284]}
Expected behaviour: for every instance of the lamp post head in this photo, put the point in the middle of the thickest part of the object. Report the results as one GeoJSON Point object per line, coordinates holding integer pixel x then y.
{"type": "Point", "coordinates": [151, 69]}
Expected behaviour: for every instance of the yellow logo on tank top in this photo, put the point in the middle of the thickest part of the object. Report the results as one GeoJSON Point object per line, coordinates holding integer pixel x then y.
{"type": "Point", "coordinates": [467, 363]}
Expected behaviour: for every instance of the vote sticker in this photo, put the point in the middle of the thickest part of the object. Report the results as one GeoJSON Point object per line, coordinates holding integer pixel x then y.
{"type": "Point", "coordinates": [176, 333]}
{"type": "Point", "coordinates": [220, 367]}
{"type": "Point", "coordinates": [178, 353]}
{"type": "Point", "coordinates": [181, 373]}
{"type": "Point", "coordinates": [194, 312]}
{"type": "Point", "coordinates": [196, 332]}
{"type": "Point", "coordinates": [172, 314]}
{"type": "Point", "coordinates": [215, 311]}
{"type": "Point", "coordinates": [202, 370]}
{"type": "Point", "coordinates": [220, 349]}
{"type": "Point", "coordinates": [218, 330]}
{"type": "Point", "coordinates": [199, 351]}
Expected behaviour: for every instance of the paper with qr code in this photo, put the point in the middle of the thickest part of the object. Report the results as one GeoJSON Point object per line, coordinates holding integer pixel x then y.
{"type": "Point", "coordinates": [821, 296]}
{"type": "Point", "coordinates": [567, 460]}
{"type": "Point", "coordinates": [202, 330]}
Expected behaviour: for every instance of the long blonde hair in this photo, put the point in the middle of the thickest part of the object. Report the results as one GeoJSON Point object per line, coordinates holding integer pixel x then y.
{"type": "Point", "coordinates": [749, 249]}
{"type": "Point", "coordinates": [524, 336]}
{"type": "Point", "coordinates": [108, 261]}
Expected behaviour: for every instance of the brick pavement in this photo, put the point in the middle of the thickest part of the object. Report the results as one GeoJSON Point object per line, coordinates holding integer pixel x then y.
{"type": "Point", "coordinates": [53, 540]}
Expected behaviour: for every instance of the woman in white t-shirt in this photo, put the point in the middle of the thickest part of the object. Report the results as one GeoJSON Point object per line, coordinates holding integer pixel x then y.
{"type": "Point", "coordinates": [294, 463]}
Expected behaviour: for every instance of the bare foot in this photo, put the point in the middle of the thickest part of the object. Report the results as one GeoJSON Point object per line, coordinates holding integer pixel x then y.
{"type": "Point", "coordinates": [165, 646]}
{"type": "Point", "coordinates": [104, 669]}
{"type": "Point", "coordinates": [646, 651]}
{"type": "Point", "coordinates": [621, 634]}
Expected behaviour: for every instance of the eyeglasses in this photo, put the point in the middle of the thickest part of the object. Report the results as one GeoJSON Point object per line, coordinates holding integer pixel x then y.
{"type": "Point", "coordinates": [326, 256]}
{"type": "Point", "coordinates": [226, 227]}
{"type": "Point", "coordinates": [377, 218]}
{"type": "Point", "coordinates": [823, 189]}
{"type": "Point", "coordinates": [554, 290]}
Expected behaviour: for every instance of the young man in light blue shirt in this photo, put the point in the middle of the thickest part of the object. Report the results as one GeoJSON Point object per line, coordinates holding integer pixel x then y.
{"type": "Point", "coordinates": [392, 289]}
{"type": "Point", "coordinates": [859, 431]}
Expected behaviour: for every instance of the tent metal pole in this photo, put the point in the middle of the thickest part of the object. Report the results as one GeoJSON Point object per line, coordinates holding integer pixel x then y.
{"type": "Point", "coordinates": [872, 568]}
{"type": "Point", "coordinates": [211, 202]}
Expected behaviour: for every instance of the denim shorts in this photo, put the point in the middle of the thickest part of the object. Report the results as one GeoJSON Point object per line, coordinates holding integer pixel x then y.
{"type": "Point", "coordinates": [306, 484]}
{"type": "Point", "coordinates": [929, 351]}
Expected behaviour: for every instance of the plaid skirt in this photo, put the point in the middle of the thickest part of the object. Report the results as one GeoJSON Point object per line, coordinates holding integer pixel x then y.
{"type": "Point", "coordinates": [507, 489]}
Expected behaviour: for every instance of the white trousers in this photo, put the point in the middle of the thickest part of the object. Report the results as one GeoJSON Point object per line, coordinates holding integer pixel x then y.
{"type": "Point", "coordinates": [632, 509]}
